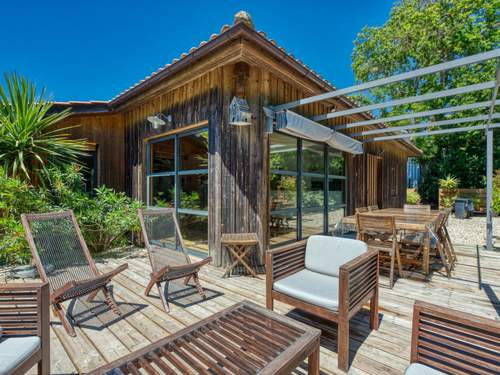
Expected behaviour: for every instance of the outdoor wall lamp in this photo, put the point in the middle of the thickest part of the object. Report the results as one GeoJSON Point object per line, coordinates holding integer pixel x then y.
{"type": "Point", "coordinates": [239, 112]}
{"type": "Point", "coordinates": [159, 120]}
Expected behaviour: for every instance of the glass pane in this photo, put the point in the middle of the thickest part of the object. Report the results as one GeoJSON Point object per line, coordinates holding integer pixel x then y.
{"type": "Point", "coordinates": [336, 165]}
{"type": "Point", "coordinates": [162, 156]}
{"type": "Point", "coordinates": [313, 157]}
{"type": "Point", "coordinates": [89, 171]}
{"type": "Point", "coordinates": [336, 192]}
{"type": "Point", "coordinates": [313, 192]}
{"type": "Point", "coordinates": [335, 216]}
{"type": "Point", "coordinates": [194, 192]}
{"type": "Point", "coordinates": [283, 220]}
{"type": "Point", "coordinates": [283, 151]}
{"type": "Point", "coordinates": [313, 202]}
{"type": "Point", "coordinates": [194, 151]}
{"type": "Point", "coordinates": [194, 230]}
{"type": "Point", "coordinates": [162, 191]}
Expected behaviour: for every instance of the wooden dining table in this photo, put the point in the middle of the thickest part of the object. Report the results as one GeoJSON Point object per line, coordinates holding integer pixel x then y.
{"type": "Point", "coordinates": [409, 221]}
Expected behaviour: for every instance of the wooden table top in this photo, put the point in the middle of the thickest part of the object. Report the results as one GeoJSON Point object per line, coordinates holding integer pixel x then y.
{"type": "Point", "coordinates": [239, 239]}
{"type": "Point", "coordinates": [242, 338]}
{"type": "Point", "coordinates": [404, 220]}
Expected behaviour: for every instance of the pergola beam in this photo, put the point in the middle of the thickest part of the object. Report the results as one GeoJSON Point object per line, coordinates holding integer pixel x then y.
{"type": "Point", "coordinates": [414, 115]}
{"type": "Point", "coordinates": [429, 124]}
{"type": "Point", "coordinates": [409, 100]}
{"type": "Point", "coordinates": [431, 132]}
{"type": "Point", "coordinates": [480, 57]}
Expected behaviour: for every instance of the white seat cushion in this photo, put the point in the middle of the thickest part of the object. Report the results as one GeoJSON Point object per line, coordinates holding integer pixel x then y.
{"type": "Point", "coordinates": [325, 254]}
{"type": "Point", "coordinates": [419, 369]}
{"type": "Point", "coordinates": [15, 350]}
{"type": "Point", "coordinates": [312, 287]}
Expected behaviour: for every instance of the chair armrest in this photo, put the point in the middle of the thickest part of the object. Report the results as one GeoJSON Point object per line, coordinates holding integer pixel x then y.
{"type": "Point", "coordinates": [453, 341]}
{"type": "Point", "coordinates": [24, 310]}
{"type": "Point", "coordinates": [358, 280]}
{"type": "Point", "coordinates": [284, 261]}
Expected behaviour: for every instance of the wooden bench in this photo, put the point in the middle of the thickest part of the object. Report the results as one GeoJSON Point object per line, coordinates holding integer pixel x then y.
{"type": "Point", "coordinates": [243, 338]}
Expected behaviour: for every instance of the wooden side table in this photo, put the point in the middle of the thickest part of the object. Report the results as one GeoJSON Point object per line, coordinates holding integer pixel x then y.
{"type": "Point", "coordinates": [238, 245]}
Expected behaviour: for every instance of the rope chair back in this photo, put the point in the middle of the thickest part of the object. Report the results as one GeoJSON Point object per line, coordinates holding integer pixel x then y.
{"type": "Point", "coordinates": [162, 236]}
{"type": "Point", "coordinates": [58, 248]}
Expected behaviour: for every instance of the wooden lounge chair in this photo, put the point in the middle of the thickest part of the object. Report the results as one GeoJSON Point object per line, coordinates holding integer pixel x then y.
{"type": "Point", "coordinates": [380, 234]}
{"type": "Point", "coordinates": [446, 341]}
{"type": "Point", "coordinates": [330, 277]}
{"type": "Point", "coordinates": [64, 261]}
{"type": "Point", "coordinates": [24, 322]}
{"type": "Point", "coordinates": [163, 238]}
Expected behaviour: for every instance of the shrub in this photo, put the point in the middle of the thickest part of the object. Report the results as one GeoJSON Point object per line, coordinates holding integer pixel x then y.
{"type": "Point", "coordinates": [449, 190]}
{"type": "Point", "coordinates": [107, 219]}
{"type": "Point", "coordinates": [496, 192]}
{"type": "Point", "coordinates": [412, 197]}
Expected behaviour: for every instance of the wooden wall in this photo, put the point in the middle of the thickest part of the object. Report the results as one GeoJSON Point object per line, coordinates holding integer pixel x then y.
{"type": "Point", "coordinates": [107, 132]}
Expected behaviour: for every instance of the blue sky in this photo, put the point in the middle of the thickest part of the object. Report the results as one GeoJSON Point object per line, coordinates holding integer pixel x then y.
{"type": "Point", "coordinates": [92, 50]}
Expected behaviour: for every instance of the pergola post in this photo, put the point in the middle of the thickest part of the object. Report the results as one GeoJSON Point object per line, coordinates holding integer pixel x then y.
{"type": "Point", "coordinates": [489, 164]}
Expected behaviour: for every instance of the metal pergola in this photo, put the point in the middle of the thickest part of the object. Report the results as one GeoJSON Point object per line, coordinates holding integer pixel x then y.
{"type": "Point", "coordinates": [483, 122]}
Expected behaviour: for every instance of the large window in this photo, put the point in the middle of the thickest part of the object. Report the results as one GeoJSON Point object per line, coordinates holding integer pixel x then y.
{"type": "Point", "coordinates": [307, 183]}
{"type": "Point", "coordinates": [178, 177]}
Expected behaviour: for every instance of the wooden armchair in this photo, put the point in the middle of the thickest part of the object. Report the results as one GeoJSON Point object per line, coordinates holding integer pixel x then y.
{"type": "Point", "coordinates": [330, 277]}
{"type": "Point", "coordinates": [446, 341]}
{"type": "Point", "coordinates": [24, 326]}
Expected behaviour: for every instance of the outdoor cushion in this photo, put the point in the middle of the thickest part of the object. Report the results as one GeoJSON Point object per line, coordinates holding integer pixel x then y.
{"type": "Point", "coordinates": [312, 287]}
{"type": "Point", "coordinates": [325, 254]}
{"type": "Point", "coordinates": [15, 350]}
{"type": "Point", "coordinates": [419, 369]}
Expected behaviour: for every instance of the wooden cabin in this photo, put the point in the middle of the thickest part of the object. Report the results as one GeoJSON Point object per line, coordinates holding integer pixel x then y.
{"type": "Point", "coordinates": [224, 178]}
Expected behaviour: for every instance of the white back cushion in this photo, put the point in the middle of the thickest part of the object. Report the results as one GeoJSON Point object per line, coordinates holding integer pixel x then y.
{"type": "Point", "coordinates": [325, 254]}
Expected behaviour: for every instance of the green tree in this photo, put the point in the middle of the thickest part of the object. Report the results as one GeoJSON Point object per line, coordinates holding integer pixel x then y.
{"type": "Point", "coordinates": [420, 33]}
{"type": "Point", "coordinates": [29, 142]}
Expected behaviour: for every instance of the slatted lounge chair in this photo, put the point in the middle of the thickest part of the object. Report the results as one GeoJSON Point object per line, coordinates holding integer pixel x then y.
{"type": "Point", "coordinates": [331, 277]}
{"type": "Point", "coordinates": [446, 341]}
{"type": "Point", "coordinates": [64, 261]}
{"type": "Point", "coordinates": [163, 238]}
{"type": "Point", "coordinates": [24, 328]}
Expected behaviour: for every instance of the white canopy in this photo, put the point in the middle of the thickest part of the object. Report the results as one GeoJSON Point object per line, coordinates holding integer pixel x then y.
{"type": "Point", "coordinates": [299, 126]}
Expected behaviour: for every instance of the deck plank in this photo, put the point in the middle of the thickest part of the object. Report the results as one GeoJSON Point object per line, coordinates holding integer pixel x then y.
{"type": "Point", "coordinates": [102, 338]}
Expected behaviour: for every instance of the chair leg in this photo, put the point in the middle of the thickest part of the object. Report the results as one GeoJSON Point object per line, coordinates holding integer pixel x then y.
{"type": "Point", "coordinates": [391, 271]}
{"type": "Point", "coordinates": [198, 285]}
{"type": "Point", "coordinates": [59, 311]}
{"type": "Point", "coordinates": [186, 280]}
{"type": "Point", "coordinates": [269, 302]}
{"type": "Point", "coordinates": [110, 301]}
{"type": "Point", "coordinates": [398, 259]}
{"type": "Point", "coordinates": [92, 295]}
{"type": "Point", "coordinates": [374, 311]}
{"type": "Point", "coordinates": [151, 283]}
{"type": "Point", "coordinates": [164, 299]}
{"type": "Point", "coordinates": [343, 344]}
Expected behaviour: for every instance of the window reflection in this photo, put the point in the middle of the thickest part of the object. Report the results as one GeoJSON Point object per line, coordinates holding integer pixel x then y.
{"type": "Point", "coordinates": [162, 156]}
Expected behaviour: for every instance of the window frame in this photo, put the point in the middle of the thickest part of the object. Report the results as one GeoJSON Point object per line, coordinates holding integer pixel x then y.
{"type": "Point", "coordinates": [299, 174]}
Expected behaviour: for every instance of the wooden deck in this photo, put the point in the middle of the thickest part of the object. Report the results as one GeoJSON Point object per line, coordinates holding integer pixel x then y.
{"type": "Point", "coordinates": [101, 337]}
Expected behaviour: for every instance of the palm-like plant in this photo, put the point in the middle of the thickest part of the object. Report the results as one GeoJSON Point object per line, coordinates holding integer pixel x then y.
{"type": "Point", "coordinates": [29, 140]}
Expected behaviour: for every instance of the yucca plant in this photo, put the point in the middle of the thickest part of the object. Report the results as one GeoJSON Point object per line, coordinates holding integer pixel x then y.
{"type": "Point", "coordinates": [29, 140]}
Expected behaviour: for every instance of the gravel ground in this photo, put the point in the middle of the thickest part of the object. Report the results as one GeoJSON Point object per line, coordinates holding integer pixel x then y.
{"type": "Point", "coordinates": [472, 231]}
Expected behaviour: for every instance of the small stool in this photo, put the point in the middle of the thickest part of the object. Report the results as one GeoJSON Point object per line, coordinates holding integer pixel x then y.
{"type": "Point", "coordinates": [238, 245]}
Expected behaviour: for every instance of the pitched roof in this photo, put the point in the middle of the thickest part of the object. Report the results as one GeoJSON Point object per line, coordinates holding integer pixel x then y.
{"type": "Point", "coordinates": [242, 27]}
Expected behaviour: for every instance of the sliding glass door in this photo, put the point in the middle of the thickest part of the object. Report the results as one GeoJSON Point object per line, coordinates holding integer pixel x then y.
{"type": "Point", "coordinates": [307, 188]}
{"type": "Point", "coordinates": [177, 176]}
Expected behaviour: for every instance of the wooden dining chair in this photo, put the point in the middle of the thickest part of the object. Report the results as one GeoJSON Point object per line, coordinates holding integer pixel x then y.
{"type": "Point", "coordinates": [379, 233]}
{"type": "Point", "coordinates": [360, 210]}
{"type": "Point", "coordinates": [373, 208]}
